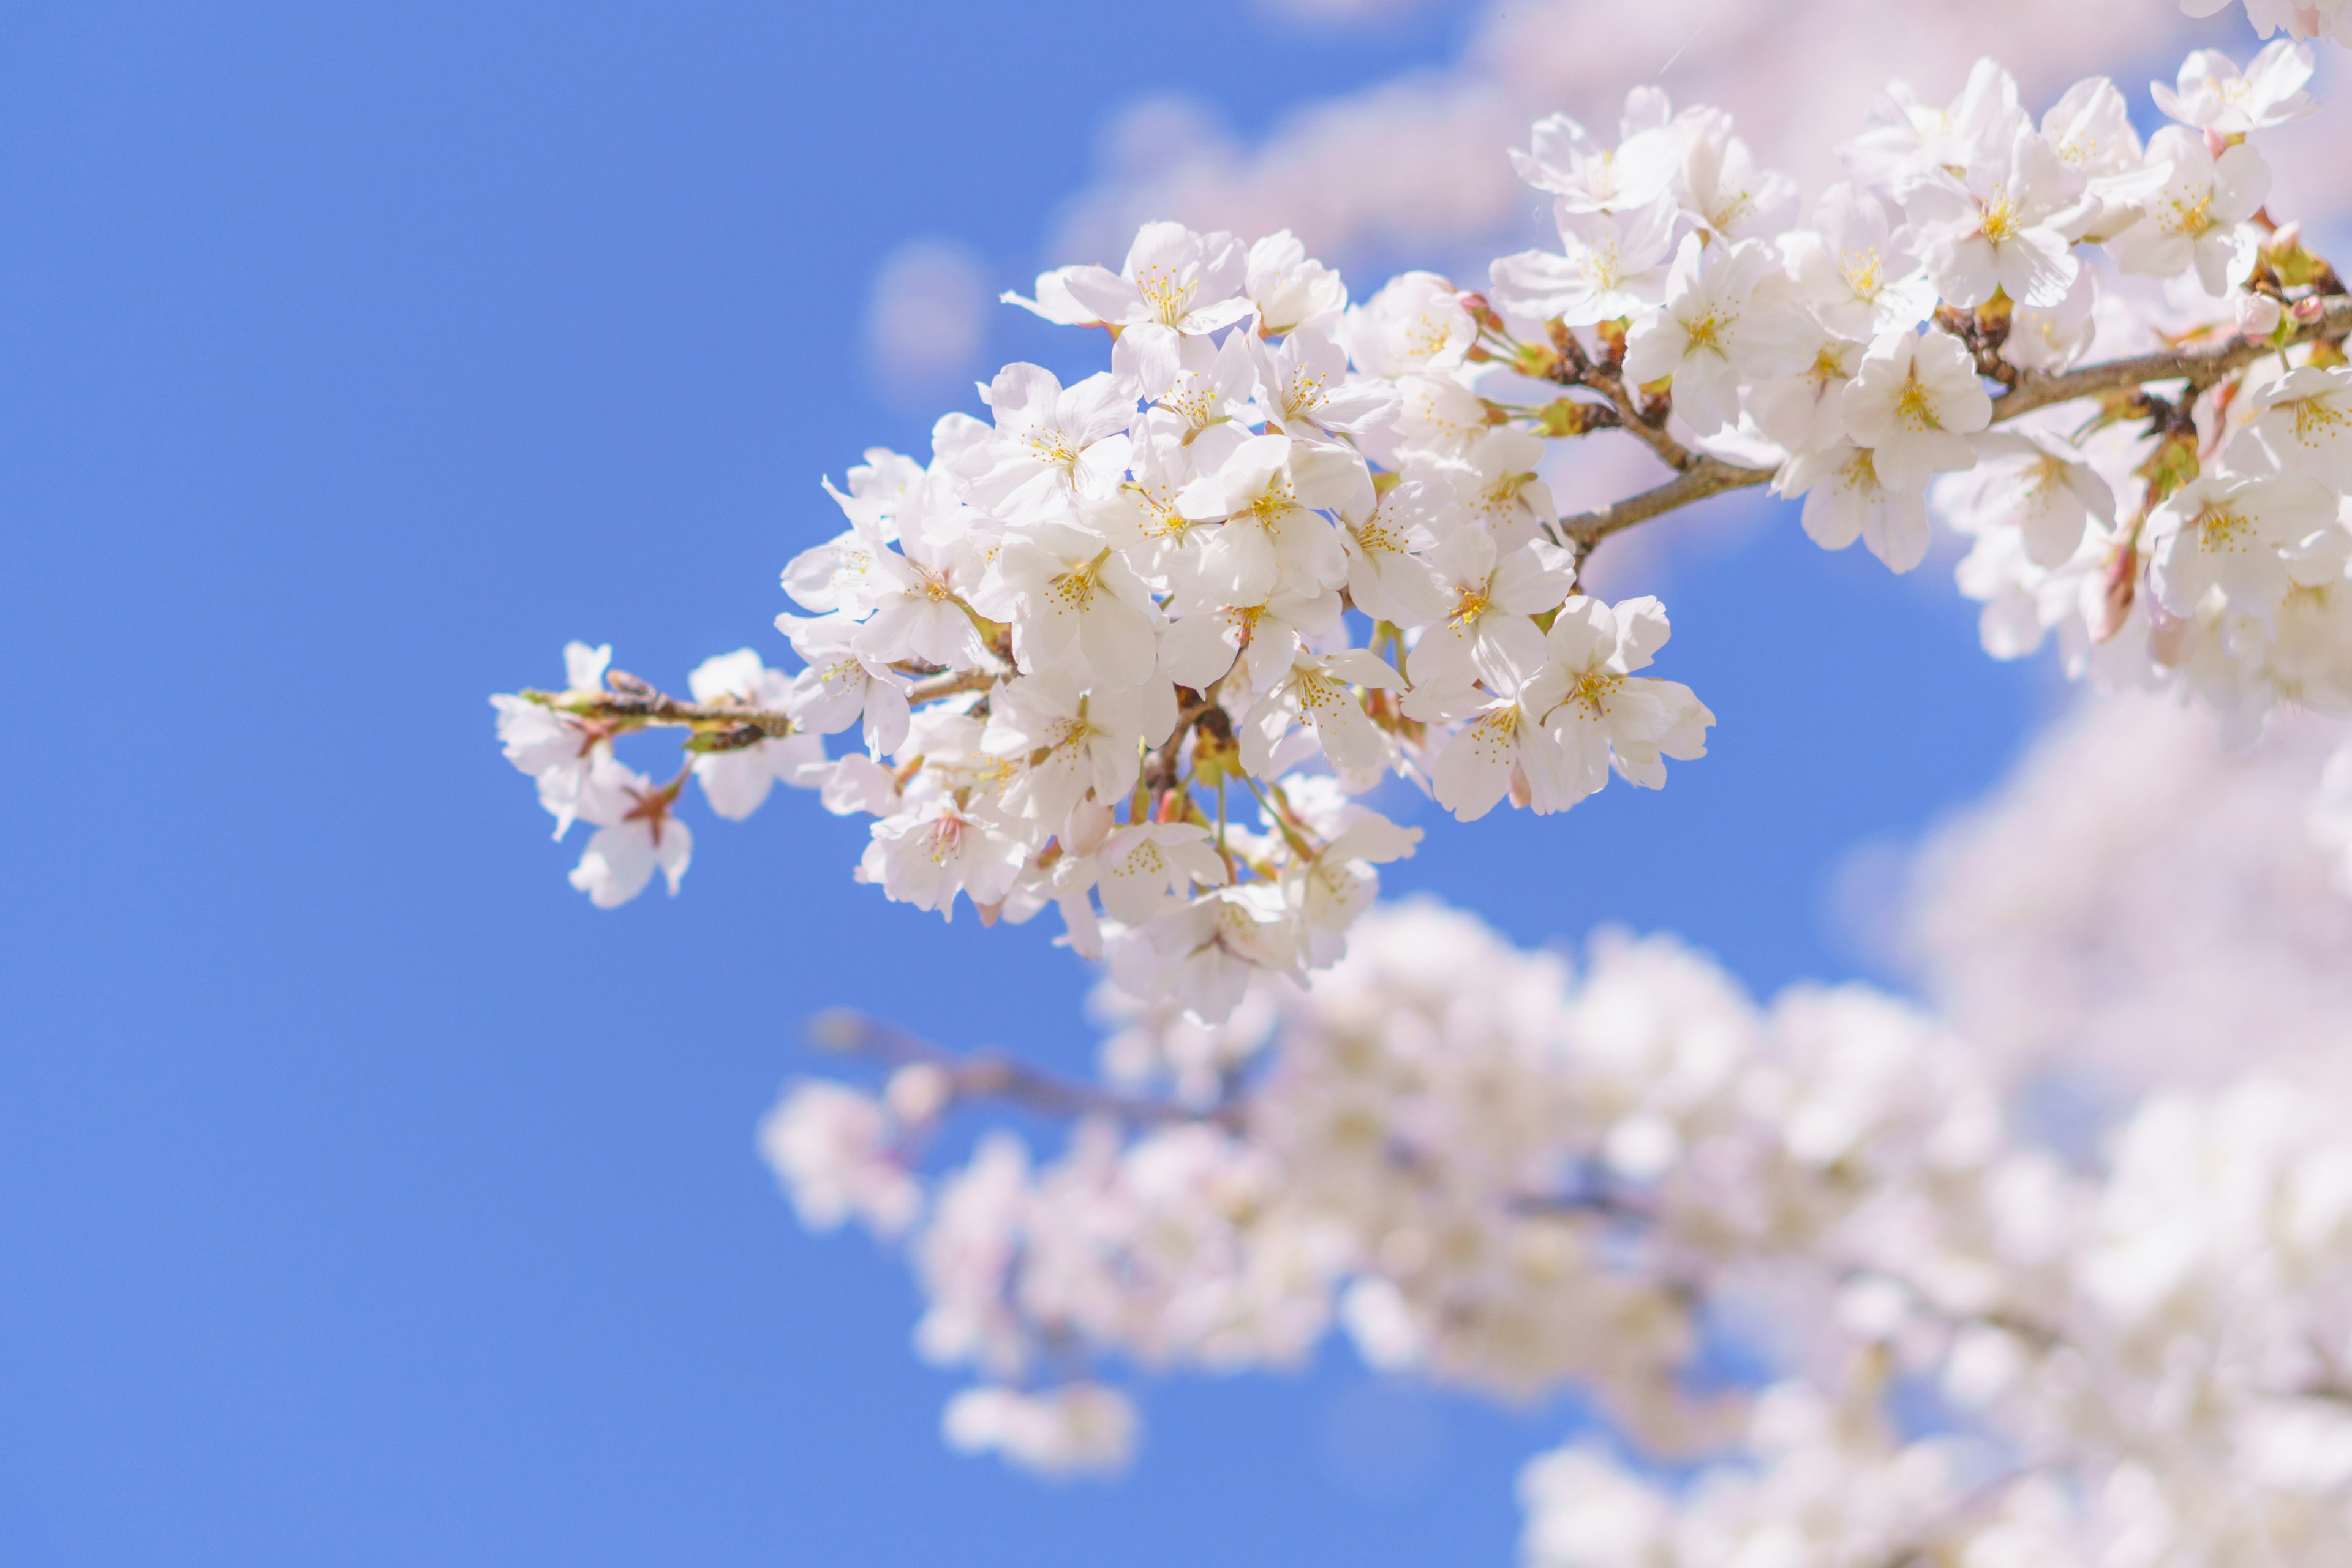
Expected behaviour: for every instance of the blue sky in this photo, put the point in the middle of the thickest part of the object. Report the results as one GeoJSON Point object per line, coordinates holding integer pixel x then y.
{"type": "Point", "coordinates": [365, 1196]}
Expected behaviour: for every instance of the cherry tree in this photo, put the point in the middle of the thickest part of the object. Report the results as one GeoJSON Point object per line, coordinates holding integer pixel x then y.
{"type": "Point", "coordinates": [1144, 650]}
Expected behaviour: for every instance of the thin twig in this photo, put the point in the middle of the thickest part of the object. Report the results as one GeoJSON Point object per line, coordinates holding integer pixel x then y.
{"type": "Point", "coordinates": [990, 1074]}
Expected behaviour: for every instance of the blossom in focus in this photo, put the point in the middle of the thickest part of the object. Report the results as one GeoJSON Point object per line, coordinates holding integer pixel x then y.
{"type": "Point", "coordinates": [1915, 402]}
{"type": "Point", "coordinates": [2197, 218]}
{"type": "Point", "coordinates": [1845, 499]}
{"type": "Point", "coordinates": [1728, 319]}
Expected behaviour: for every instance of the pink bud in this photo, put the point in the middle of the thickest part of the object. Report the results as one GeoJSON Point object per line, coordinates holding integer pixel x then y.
{"type": "Point", "coordinates": [2259, 315]}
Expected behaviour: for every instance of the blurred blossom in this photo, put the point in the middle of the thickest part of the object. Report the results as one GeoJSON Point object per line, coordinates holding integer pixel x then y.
{"type": "Point", "coordinates": [2144, 903]}
{"type": "Point", "coordinates": [927, 318]}
{"type": "Point", "coordinates": [1418, 161]}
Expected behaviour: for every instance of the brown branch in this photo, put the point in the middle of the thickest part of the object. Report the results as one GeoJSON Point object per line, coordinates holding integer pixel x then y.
{"type": "Point", "coordinates": [991, 1075]}
{"type": "Point", "coordinates": [2202, 367]}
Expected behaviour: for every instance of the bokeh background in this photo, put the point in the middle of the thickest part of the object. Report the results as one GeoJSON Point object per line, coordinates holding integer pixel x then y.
{"type": "Point", "coordinates": [366, 1197]}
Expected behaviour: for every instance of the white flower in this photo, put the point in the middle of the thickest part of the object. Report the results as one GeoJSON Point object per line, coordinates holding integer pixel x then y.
{"type": "Point", "coordinates": [1144, 518]}
{"type": "Point", "coordinates": [1388, 578]}
{"type": "Point", "coordinates": [878, 488]}
{"type": "Point", "coordinates": [1805, 412]}
{"type": "Point", "coordinates": [2252, 538]}
{"type": "Point", "coordinates": [636, 833]}
{"type": "Point", "coordinates": [2214, 95]}
{"type": "Point", "coordinates": [919, 610]}
{"type": "Point", "coordinates": [1727, 319]}
{"type": "Point", "coordinates": [1913, 137]}
{"type": "Point", "coordinates": [1607, 716]}
{"type": "Point", "coordinates": [562, 752]}
{"type": "Point", "coordinates": [1845, 501]}
{"type": "Point", "coordinates": [1498, 488]}
{"type": "Point", "coordinates": [2197, 219]}
{"type": "Point", "coordinates": [839, 575]}
{"type": "Point", "coordinates": [1306, 383]}
{"type": "Point", "coordinates": [1270, 492]}
{"type": "Point", "coordinates": [1138, 869]}
{"type": "Point", "coordinates": [1613, 265]}
{"type": "Point", "coordinates": [1068, 740]}
{"type": "Point", "coordinates": [1486, 631]}
{"type": "Point", "coordinates": [1198, 382]}
{"type": "Point", "coordinates": [2304, 420]}
{"type": "Point", "coordinates": [926, 854]}
{"type": "Point", "coordinates": [1416, 322]}
{"type": "Point", "coordinates": [1719, 185]}
{"type": "Point", "coordinates": [1568, 161]}
{"type": "Point", "coordinates": [1998, 224]}
{"type": "Point", "coordinates": [2038, 483]}
{"type": "Point", "coordinates": [1860, 274]}
{"type": "Point", "coordinates": [1083, 1428]}
{"type": "Point", "coordinates": [1200, 650]}
{"type": "Point", "coordinates": [736, 782]}
{"type": "Point", "coordinates": [1288, 291]}
{"type": "Point", "coordinates": [1173, 281]}
{"type": "Point", "coordinates": [1052, 445]}
{"type": "Point", "coordinates": [1503, 747]}
{"type": "Point", "coordinates": [1336, 879]}
{"type": "Point", "coordinates": [1915, 403]}
{"type": "Point", "coordinates": [1317, 691]}
{"type": "Point", "coordinates": [1076, 606]}
{"type": "Point", "coordinates": [842, 684]}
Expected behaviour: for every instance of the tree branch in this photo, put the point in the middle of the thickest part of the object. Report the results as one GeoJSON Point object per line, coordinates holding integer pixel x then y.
{"type": "Point", "coordinates": [2202, 367]}
{"type": "Point", "coordinates": [990, 1074]}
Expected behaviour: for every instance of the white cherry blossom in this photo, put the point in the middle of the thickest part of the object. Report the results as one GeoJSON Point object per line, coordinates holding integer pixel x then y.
{"type": "Point", "coordinates": [2197, 218]}
{"type": "Point", "coordinates": [1727, 319]}
{"type": "Point", "coordinates": [1610, 265]}
{"type": "Point", "coordinates": [1290, 291]}
{"type": "Point", "coordinates": [1568, 161]}
{"type": "Point", "coordinates": [1845, 499]}
{"type": "Point", "coordinates": [1998, 224]}
{"type": "Point", "coordinates": [2248, 537]}
{"type": "Point", "coordinates": [1491, 595]}
{"type": "Point", "coordinates": [842, 684]}
{"type": "Point", "coordinates": [1915, 402]}
{"type": "Point", "coordinates": [1416, 322]}
{"type": "Point", "coordinates": [635, 834]}
{"type": "Point", "coordinates": [1607, 716]}
{"type": "Point", "coordinates": [2304, 420]}
{"type": "Point", "coordinates": [1317, 692]}
{"type": "Point", "coordinates": [2212, 94]}
{"type": "Point", "coordinates": [1859, 273]}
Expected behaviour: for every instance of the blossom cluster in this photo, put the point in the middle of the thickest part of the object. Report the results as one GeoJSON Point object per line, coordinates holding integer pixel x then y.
{"type": "Point", "coordinates": [1150, 646]}
{"type": "Point", "coordinates": [1287, 545]}
{"type": "Point", "coordinates": [1484, 1171]}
